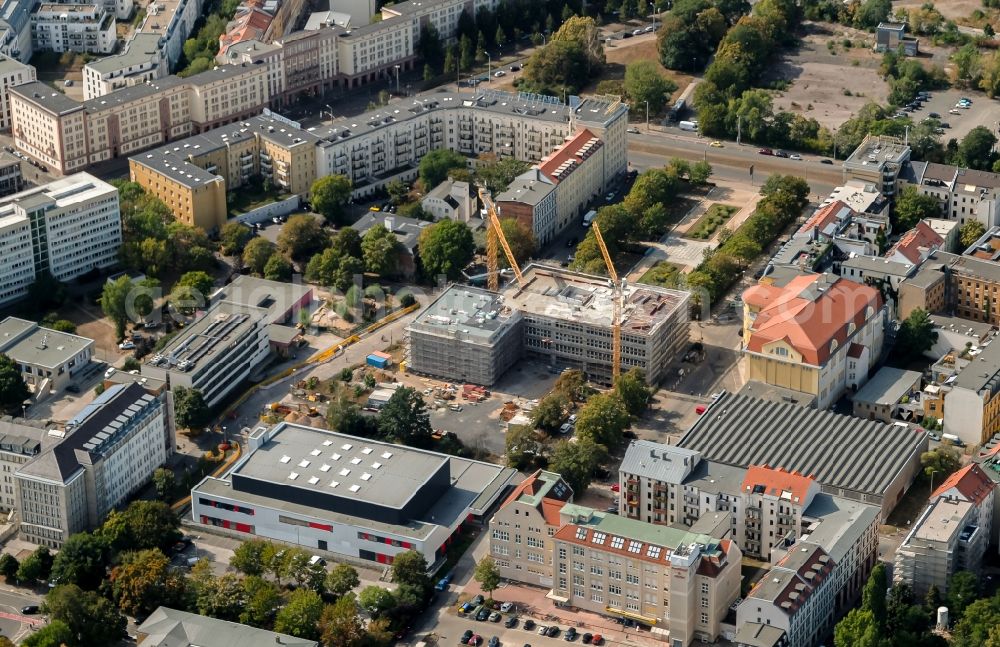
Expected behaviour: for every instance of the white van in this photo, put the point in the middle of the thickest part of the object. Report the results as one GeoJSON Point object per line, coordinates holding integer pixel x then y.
{"type": "Point", "coordinates": [953, 439]}
{"type": "Point", "coordinates": [589, 218]}
{"type": "Point", "coordinates": [688, 125]}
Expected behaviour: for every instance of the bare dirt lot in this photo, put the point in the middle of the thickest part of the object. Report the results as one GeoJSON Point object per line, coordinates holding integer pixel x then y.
{"type": "Point", "coordinates": [951, 10]}
{"type": "Point", "coordinates": [640, 48]}
{"type": "Point", "coordinates": [819, 76]}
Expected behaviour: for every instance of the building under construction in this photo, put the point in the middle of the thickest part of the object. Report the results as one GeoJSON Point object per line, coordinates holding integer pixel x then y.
{"type": "Point", "coordinates": [560, 316]}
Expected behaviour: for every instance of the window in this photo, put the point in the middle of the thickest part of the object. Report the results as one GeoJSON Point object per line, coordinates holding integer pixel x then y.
{"type": "Point", "coordinates": [581, 533]}
{"type": "Point", "coordinates": [502, 535]}
{"type": "Point", "coordinates": [614, 589]}
{"type": "Point", "coordinates": [631, 578]}
{"type": "Point", "coordinates": [704, 618]}
{"type": "Point", "coordinates": [653, 551]}
{"type": "Point", "coordinates": [635, 546]}
{"type": "Point", "coordinates": [617, 542]}
{"type": "Point", "coordinates": [578, 566]}
{"type": "Point", "coordinates": [596, 570]}
{"type": "Point", "coordinates": [578, 550]}
{"type": "Point", "coordinates": [599, 538]}
{"type": "Point", "coordinates": [562, 553]}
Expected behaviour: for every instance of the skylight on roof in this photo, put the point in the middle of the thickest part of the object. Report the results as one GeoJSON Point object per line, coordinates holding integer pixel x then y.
{"type": "Point", "coordinates": [581, 533]}
{"type": "Point", "coordinates": [366, 451]}
{"type": "Point", "coordinates": [334, 483]}
{"type": "Point", "coordinates": [315, 452]}
{"type": "Point", "coordinates": [285, 459]}
{"type": "Point", "coordinates": [335, 456]}
{"type": "Point", "coordinates": [346, 447]}
{"type": "Point", "coordinates": [327, 443]}
{"type": "Point", "coordinates": [303, 463]}
{"type": "Point", "coordinates": [386, 455]}
{"type": "Point", "coordinates": [366, 476]}
{"type": "Point", "coordinates": [617, 542]}
{"type": "Point", "coordinates": [599, 537]}
{"type": "Point", "coordinates": [375, 466]}
{"type": "Point", "coordinates": [324, 468]}
{"type": "Point", "coordinates": [653, 551]}
{"type": "Point", "coordinates": [354, 488]}
{"type": "Point", "coordinates": [355, 461]}
{"type": "Point", "coordinates": [293, 476]}
{"type": "Point", "coordinates": [345, 472]}
{"type": "Point", "coordinates": [313, 480]}
{"type": "Point", "coordinates": [635, 546]}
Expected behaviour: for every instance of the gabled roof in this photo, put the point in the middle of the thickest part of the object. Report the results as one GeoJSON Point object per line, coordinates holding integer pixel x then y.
{"type": "Point", "coordinates": [565, 159]}
{"type": "Point", "coordinates": [916, 243]}
{"type": "Point", "coordinates": [970, 481]}
{"type": "Point", "coordinates": [544, 491]}
{"type": "Point", "coordinates": [809, 313]}
{"type": "Point", "coordinates": [826, 217]}
{"type": "Point", "coordinates": [775, 481]}
{"type": "Point", "coordinates": [167, 627]}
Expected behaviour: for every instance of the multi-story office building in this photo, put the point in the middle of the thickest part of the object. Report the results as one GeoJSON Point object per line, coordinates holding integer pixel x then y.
{"type": "Point", "coordinates": [110, 451]}
{"type": "Point", "coordinates": [69, 27]}
{"type": "Point", "coordinates": [215, 353]}
{"type": "Point", "coordinates": [67, 228]}
{"type": "Point", "coordinates": [11, 178]}
{"type": "Point", "coordinates": [952, 533]}
{"type": "Point", "coordinates": [20, 441]}
{"type": "Point", "coordinates": [49, 360]}
{"type": "Point", "coordinates": [466, 334]}
{"type": "Point", "coordinates": [352, 497]}
{"type": "Point", "coordinates": [141, 60]}
{"type": "Point", "coordinates": [531, 199]}
{"type": "Point", "coordinates": [878, 161]}
{"type": "Point", "coordinates": [819, 334]}
{"type": "Point", "coordinates": [567, 322]}
{"type": "Point", "coordinates": [671, 579]}
{"type": "Point", "coordinates": [67, 135]}
{"type": "Point", "coordinates": [12, 72]}
{"type": "Point", "coordinates": [522, 528]}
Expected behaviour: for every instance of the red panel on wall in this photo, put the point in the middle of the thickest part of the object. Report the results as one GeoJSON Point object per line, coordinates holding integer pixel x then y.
{"type": "Point", "coordinates": [321, 526]}
{"type": "Point", "coordinates": [244, 527]}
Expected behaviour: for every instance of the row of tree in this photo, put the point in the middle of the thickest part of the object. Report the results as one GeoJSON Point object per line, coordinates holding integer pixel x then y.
{"type": "Point", "coordinates": [692, 30]}
{"type": "Point", "coordinates": [572, 57]}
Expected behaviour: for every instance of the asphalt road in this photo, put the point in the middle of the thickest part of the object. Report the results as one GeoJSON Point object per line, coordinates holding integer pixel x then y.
{"type": "Point", "coordinates": [12, 624]}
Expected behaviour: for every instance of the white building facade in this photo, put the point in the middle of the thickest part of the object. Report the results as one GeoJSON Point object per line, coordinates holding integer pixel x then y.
{"type": "Point", "coordinates": [60, 27]}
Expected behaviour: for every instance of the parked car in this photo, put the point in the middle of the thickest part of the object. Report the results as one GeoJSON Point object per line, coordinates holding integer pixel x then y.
{"type": "Point", "coordinates": [586, 638]}
{"type": "Point", "coordinates": [570, 635]}
{"type": "Point", "coordinates": [633, 130]}
{"type": "Point", "coordinates": [933, 435]}
{"type": "Point", "coordinates": [543, 630]}
{"type": "Point", "coordinates": [780, 153]}
{"type": "Point", "coordinates": [126, 345]}
{"type": "Point", "coordinates": [795, 156]}
{"type": "Point", "coordinates": [465, 608]}
{"type": "Point", "coordinates": [476, 640]}
{"type": "Point", "coordinates": [552, 632]}
{"type": "Point", "coordinates": [443, 583]}
{"type": "Point", "coordinates": [934, 115]}
{"type": "Point", "coordinates": [765, 151]}
{"type": "Point", "coordinates": [510, 622]}
{"type": "Point", "coordinates": [494, 641]}
{"type": "Point", "coordinates": [529, 624]}
{"type": "Point", "coordinates": [507, 607]}
{"type": "Point", "coordinates": [717, 144]}
{"type": "Point", "coordinates": [826, 161]}
{"type": "Point", "coordinates": [108, 373]}
{"type": "Point", "coordinates": [483, 614]}
{"type": "Point", "coordinates": [29, 610]}
{"type": "Point", "coordinates": [495, 616]}
{"type": "Point", "coordinates": [464, 640]}
{"type": "Point", "coordinates": [598, 640]}
{"type": "Point", "coordinates": [479, 599]}
{"type": "Point", "coordinates": [499, 73]}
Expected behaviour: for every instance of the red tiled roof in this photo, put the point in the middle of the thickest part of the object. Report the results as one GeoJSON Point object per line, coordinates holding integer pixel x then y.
{"type": "Point", "coordinates": [809, 313]}
{"type": "Point", "coordinates": [529, 485]}
{"type": "Point", "coordinates": [825, 216]}
{"type": "Point", "coordinates": [971, 482]}
{"type": "Point", "coordinates": [920, 237]}
{"type": "Point", "coordinates": [775, 481]}
{"type": "Point", "coordinates": [855, 350]}
{"type": "Point", "coordinates": [572, 153]}
{"type": "Point", "coordinates": [551, 509]}
{"type": "Point", "coordinates": [550, 505]}
{"type": "Point", "coordinates": [247, 26]}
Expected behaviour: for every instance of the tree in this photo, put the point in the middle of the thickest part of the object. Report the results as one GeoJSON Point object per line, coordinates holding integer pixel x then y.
{"type": "Point", "coordinates": [376, 600]}
{"type": "Point", "coordinates": [82, 560]}
{"type": "Point", "coordinates": [521, 240]}
{"type": "Point", "coordinates": [488, 575]}
{"type": "Point", "coordinates": [36, 567]}
{"type": "Point", "coordinates": [262, 598]}
{"type": "Point", "coordinates": [644, 83]}
{"type": "Point", "coordinates": [977, 623]}
{"type": "Point", "coordinates": [114, 299]}
{"type": "Point", "coordinates": [700, 172]}
{"type": "Point", "coordinates": [300, 616]}
{"type": "Point", "coordinates": [144, 582]}
{"type": "Point", "coordinates": [92, 619]}
{"type": "Point", "coordinates": [404, 417]}
{"type": "Point", "coordinates": [142, 525]}
{"type": "Point", "coordinates": [521, 447]}
{"type": "Point", "coordinates": [603, 419]}
{"type": "Point", "coordinates": [8, 567]}
{"type": "Point", "coordinates": [163, 482]}
{"type": "Point", "coordinates": [200, 282]}
{"type": "Point", "coordinates": [222, 597]}
{"type": "Point", "coordinates": [55, 634]}
{"type": "Point", "coordinates": [551, 412]}
{"type": "Point", "coordinates": [278, 269]}
{"type": "Point", "coordinates": [435, 165]}
{"type": "Point", "coordinates": [13, 390]}
{"type": "Point", "coordinates": [256, 254]}
{"type": "Point", "coordinates": [190, 409]}
{"type": "Point", "coordinates": [573, 385]}
{"type": "Point", "coordinates": [341, 580]}
{"type": "Point", "coordinates": [916, 336]}
{"type": "Point", "coordinates": [233, 237]}
{"type": "Point", "coordinates": [940, 462]}
{"type": "Point", "coordinates": [577, 461]}
{"type": "Point", "coordinates": [301, 237]}
{"type": "Point", "coordinates": [340, 625]}
{"type": "Point", "coordinates": [963, 590]}
{"type": "Point", "coordinates": [497, 174]}
{"type": "Point", "coordinates": [971, 232]}
{"type": "Point", "coordinates": [445, 247]}
{"type": "Point", "coordinates": [871, 13]}
{"type": "Point", "coordinates": [329, 195]}
{"type": "Point", "coordinates": [873, 594]}
{"type": "Point", "coordinates": [976, 149]}
{"type": "Point", "coordinates": [64, 325]}
{"type": "Point", "coordinates": [912, 206]}
{"type": "Point", "coordinates": [857, 629]}
{"type": "Point", "coordinates": [249, 557]}
{"type": "Point", "coordinates": [380, 249]}
{"type": "Point", "coordinates": [410, 568]}
{"type": "Point", "coordinates": [633, 391]}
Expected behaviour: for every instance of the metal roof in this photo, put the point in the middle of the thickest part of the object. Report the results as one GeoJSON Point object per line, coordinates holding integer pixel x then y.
{"type": "Point", "coordinates": [888, 386]}
{"type": "Point", "coordinates": [839, 451]}
{"type": "Point", "coordinates": [667, 463]}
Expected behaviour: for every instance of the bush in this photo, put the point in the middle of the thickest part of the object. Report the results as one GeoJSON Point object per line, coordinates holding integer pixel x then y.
{"type": "Point", "coordinates": [407, 300]}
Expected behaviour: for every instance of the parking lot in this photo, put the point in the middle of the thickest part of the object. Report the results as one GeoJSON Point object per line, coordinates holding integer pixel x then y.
{"type": "Point", "coordinates": [983, 112]}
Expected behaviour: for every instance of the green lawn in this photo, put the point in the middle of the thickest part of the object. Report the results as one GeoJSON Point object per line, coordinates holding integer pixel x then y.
{"type": "Point", "coordinates": [250, 196]}
{"type": "Point", "coordinates": [663, 274]}
{"type": "Point", "coordinates": [717, 215]}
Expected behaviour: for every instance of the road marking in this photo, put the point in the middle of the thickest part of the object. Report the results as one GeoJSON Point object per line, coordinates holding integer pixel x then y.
{"type": "Point", "coordinates": [22, 619]}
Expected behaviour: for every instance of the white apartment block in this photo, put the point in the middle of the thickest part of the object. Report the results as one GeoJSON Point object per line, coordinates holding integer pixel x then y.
{"type": "Point", "coordinates": [952, 533]}
{"type": "Point", "coordinates": [63, 27]}
{"type": "Point", "coordinates": [215, 353]}
{"type": "Point", "coordinates": [680, 583]}
{"type": "Point", "coordinates": [964, 194]}
{"type": "Point", "coordinates": [12, 72]}
{"type": "Point", "coordinates": [49, 360]}
{"type": "Point", "coordinates": [141, 60]}
{"type": "Point", "coordinates": [67, 227]}
{"type": "Point", "coordinates": [578, 170]}
{"type": "Point", "coordinates": [20, 442]}
{"type": "Point", "coordinates": [15, 29]}
{"type": "Point", "coordinates": [110, 451]}
{"type": "Point", "coordinates": [67, 135]}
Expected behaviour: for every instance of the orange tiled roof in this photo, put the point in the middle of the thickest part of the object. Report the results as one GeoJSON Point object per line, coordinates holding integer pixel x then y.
{"type": "Point", "coordinates": [529, 485]}
{"type": "Point", "coordinates": [246, 26]}
{"type": "Point", "coordinates": [825, 216]}
{"type": "Point", "coordinates": [775, 481]}
{"type": "Point", "coordinates": [920, 237]}
{"type": "Point", "coordinates": [549, 506]}
{"type": "Point", "coordinates": [809, 313]}
{"type": "Point", "coordinates": [567, 157]}
{"type": "Point", "coordinates": [971, 481]}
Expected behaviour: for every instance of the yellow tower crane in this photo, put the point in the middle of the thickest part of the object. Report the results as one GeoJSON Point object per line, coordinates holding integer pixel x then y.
{"type": "Point", "coordinates": [494, 240]}
{"type": "Point", "coordinates": [616, 308]}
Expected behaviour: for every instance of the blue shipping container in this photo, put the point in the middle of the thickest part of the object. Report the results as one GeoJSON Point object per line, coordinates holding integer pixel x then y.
{"type": "Point", "coordinates": [376, 361]}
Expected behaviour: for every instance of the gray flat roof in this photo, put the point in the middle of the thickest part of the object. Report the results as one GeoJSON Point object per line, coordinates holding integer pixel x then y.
{"type": "Point", "coordinates": [876, 151]}
{"type": "Point", "coordinates": [880, 265]}
{"type": "Point", "coordinates": [141, 49]}
{"type": "Point", "coordinates": [476, 312]}
{"type": "Point", "coordinates": [839, 451]}
{"type": "Point", "coordinates": [168, 627]}
{"type": "Point", "coordinates": [223, 322]}
{"type": "Point", "coordinates": [667, 463]}
{"type": "Point", "coordinates": [177, 168]}
{"type": "Point", "coordinates": [755, 634]}
{"type": "Point", "coordinates": [46, 97]}
{"type": "Point", "coordinates": [888, 386]}
{"type": "Point", "coordinates": [964, 326]}
{"type": "Point", "coordinates": [982, 372]}
{"type": "Point", "coordinates": [531, 187]}
{"type": "Point", "coordinates": [836, 523]}
{"type": "Point", "coordinates": [276, 296]}
{"type": "Point", "coordinates": [8, 64]}
{"type": "Point", "coordinates": [27, 343]}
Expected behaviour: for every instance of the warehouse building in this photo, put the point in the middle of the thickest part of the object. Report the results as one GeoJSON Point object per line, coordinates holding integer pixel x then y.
{"type": "Point", "coordinates": [353, 497]}
{"type": "Point", "coordinates": [466, 334]}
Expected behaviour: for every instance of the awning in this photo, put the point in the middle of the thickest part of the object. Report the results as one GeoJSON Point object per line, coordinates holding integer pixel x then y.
{"type": "Point", "coordinates": [552, 595]}
{"type": "Point", "coordinates": [631, 614]}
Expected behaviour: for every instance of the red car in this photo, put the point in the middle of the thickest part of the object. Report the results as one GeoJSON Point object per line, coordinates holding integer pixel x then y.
{"type": "Point", "coordinates": [700, 409]}
{"type": "Point", "coordinates": [765, 151]}
{"type": "Point", "coordinates": [598, 640]}
{"type": "Point", "coordinates": [616, 488]}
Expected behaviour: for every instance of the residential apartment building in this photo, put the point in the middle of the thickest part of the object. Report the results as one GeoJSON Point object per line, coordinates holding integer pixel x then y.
{"type": "Point", "coordinates": [49, 360]}
{"type": "Point", "coordinates": [915, 245]}
{"type": "Point", "coordinates": [567, 322]}
{"type": "Point", "coordinates": [20, 441]}
{"type": "Point", "coordinates": [142, 60]}
{"type": "Point", "coordinates": [110, 452]}
{"type": "Point", "coordinates": [70, 27]}
{"type": "Point", "coordinates": [67, 228]}
{"type": "Point", "coordinates": [522, 528]}
{"type": "Point", "coordinates": [577, 170]}
{"type": "Point", "coordinates": [452, 200]}
{"type": "Point", "coordinates": [818, 334]}
{"type": "Point", "coordinates": [972, 405]}
{"type": "Point", "coordinates": [11, 178]}
{"type": "Point", "coordinates": [531, 199]}
{"type": "Point", "coordinates": [952, 533]}
{"type": "Point", "coordinates": [673, 580]}
{"type": "Point", "coordinates": [15, 30]}
{"type": "Point", "coordinates": [878, 161]}
{"type": "Point", "coordinates": [215, 353]}
{"type": "Point", "coordinates": [12, 72]}
{"type": "Point", "coordinates": [168, 627]}
{"type": "Point", "coordinates": [964, 194]}
{"type": "Point", "coordinates": [67, 135]}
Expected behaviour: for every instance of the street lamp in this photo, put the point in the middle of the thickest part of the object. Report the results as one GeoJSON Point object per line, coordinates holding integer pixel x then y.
{"type": "Point", "coordinates": [647, 115]}
{"type": "Point", "coordinates": [489, 68]}
{"type": "Point", "coordinates": [397, 79]}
